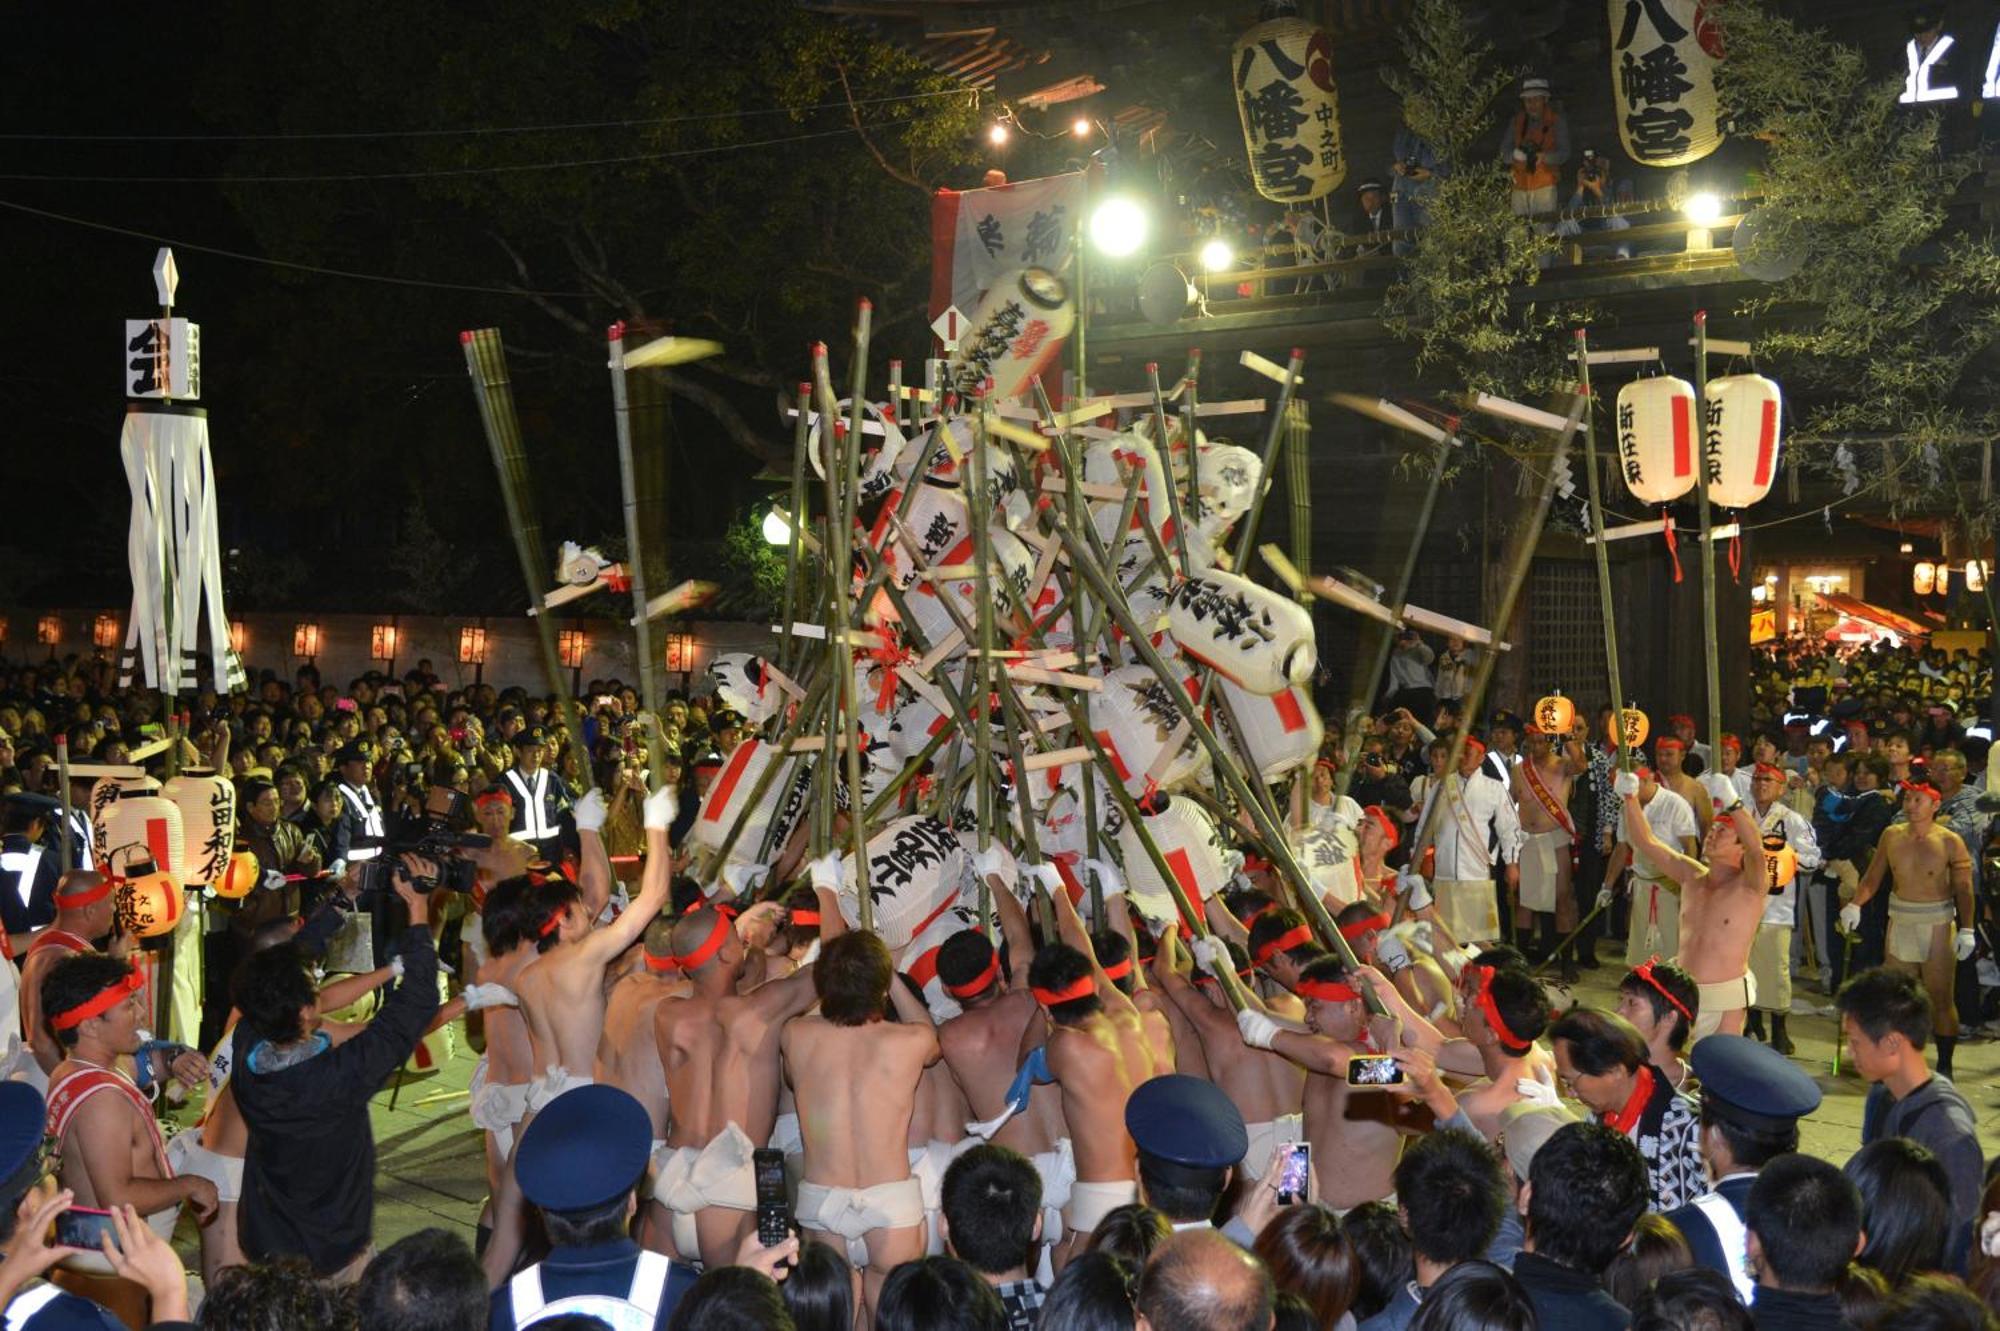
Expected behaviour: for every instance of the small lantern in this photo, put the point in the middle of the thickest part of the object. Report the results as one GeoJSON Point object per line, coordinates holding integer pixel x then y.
{"type": "Point", "coordinates": [472, 645]}
{"type": "Point", "coordinates": [1975, 575]}
{"type": "Point", "coordinates": [239, 636]}
{"type": "Point", "coordinates": [1656, 438]}
{"type": "Point", "coordinates": [1923, 578]}
{"type": "Point", "coordinates": [1554, 715]}
{"type": "Point", "coordinates": [1637, 727]}
{"type": "Point", "coordinates": [305, 640]}
{"type": "Point", "coordinates": [570, 646]}
{"type": "Point", "coordinates": [1781, 865]}
{"type": "Point", "coordinates": [680, 652]}
{"type": "Point", "coordinates": [149, 901]}
{"type": "Point", "coordinates": [1944, 579]}
{"type": "Point", "coordinates": [104, 631]}
{"type": "Point", "coordinates": [239, 878]}
{"type": "Point", "coordinates": [48, 630]}
{"type": "Point", "coordinates": [1744, 413]}
{"type": "Point", "coordinates": [382, 642]}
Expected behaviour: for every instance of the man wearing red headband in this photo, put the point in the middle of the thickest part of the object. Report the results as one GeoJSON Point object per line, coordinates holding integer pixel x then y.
{"type": "Point", "coordinates": [1792, 852]}
{"type": "Point", "coordinates": [1475, 808]}
{"type": "Point", "coordinates": [1681, 726]}
{"type": "Point", "coordinates": [1549, 841]}
{"type": "Point", "coordinates": [84, 910]}
{"type": "Point", "coordinates": [1930, 892]}
{"type": "Point", "coordinates": [628, 1056]}
{"type": "Point", "coordinates": [1378, 940]}
{"type": "Point", "coordinates": [493, 815]}
{"type": "Point", "coordinates": [1508, 1012]}
{"type": "Point", "coordinates": [1669, 759]}
{"type": "Point", "coordinates": [1721, 901]}
{"type": "Point", "coordinates": [1654, 926]}
{"type": "Point", "coordinates": [1729, 764]}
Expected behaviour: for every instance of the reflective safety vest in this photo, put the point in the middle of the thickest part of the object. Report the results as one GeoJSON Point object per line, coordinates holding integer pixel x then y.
{"type": "Point", "coordinates": [26, 863]}
{"type": "Point", "coordinates": [637, 1310]}
{"type": "Point", "coordinates": [531, 805]}
{"type": "Point", "coordinates": [371, 821]}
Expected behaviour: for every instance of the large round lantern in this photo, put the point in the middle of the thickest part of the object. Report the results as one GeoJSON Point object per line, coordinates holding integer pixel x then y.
{"type": "Point", "coordinates": [207, 802]}
{"type": "Point", "coordinates": [1283, 74]}
{"type": "Point", "coordinates": [1554, 714]}
{"type": "Point", "coordinates": [730, 796]}
{"type": "Point", "coordinates": [1637, 726]}
{"type": "Point", "coordinates": [1249, 634]}
{"type": "Point", "coordinates": [1656, 438]}
{"type": "Point", "coordinates": [1226, 477]}
{"type": "Point", "coordinates": [1743, 421]}
{"type": "Point", "coordinates": [1113, 462]}
{"type": "Point", "coordinates": [149, 901]}
{"type": "Point", "coordinates": [1281, 731]}
{"type": "Point", "coordinates": [743, 684]}
{"type": "Point", "coordinates": [1142, 732]}
{"type": "Point", "coordinates": [917, 869]}
{"type": "Point", "coordinates": [239, 878]}
{"type": "Point", "coordinates": [937, 525]}
{"type": "Point", "coordinates": [1201, 861]}
{"type": "Point", "coordinates": [1663, 59]}
{"type": "Point", "coordinates": [1781, 865]}
{"type": "Point", "coordinates": [138, 822]}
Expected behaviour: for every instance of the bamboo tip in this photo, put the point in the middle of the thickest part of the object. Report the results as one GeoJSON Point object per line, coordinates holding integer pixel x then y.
{"type": "Point", "coordinates": [465, 337]}
{"type": "Point", "coordinates": [1701, 317]}
{"type": "Point", "coordinates": [1152, 367]}
{"type": "Point", "coordinates": [895, 365]}
{"type": "Point", "coordinates": [615, 331]}
{"type": "Point", "coordinates": [865, 304]}
{"type": "Point", "coordinates": [1298, 353]}
{"type": "Point", "coordinates": [805, 389]}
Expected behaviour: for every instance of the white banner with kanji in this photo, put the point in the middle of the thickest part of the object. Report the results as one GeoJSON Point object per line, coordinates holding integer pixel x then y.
{"type": "Point", "coordinates": [979, 236]}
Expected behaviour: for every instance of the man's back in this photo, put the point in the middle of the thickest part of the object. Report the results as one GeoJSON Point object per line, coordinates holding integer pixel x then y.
{"type": "Point", "coordinates": [719, 1057]}
{"type": "Point", "coordinates": [1935, 1115]}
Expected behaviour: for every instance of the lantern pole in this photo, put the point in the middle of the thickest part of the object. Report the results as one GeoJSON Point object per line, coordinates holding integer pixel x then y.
{"type": "Point", "coordinates": [1712, 666]}
{"type": "Point", "coordinates": [635, 562]}
{"type": "Point", "coordinates": [1606, 604]}
{"type": "Point", "coordinates": [68, 849]}
{"type": "Point", "coordinates": [978, 513]}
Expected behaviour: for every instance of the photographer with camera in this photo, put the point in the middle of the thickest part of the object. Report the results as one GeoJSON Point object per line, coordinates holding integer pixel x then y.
{"type": "Point", "coordinates": [1535, 147]}
{"type": "Point", "coordinates": [309, 1170]}
{"type": "Point", "coordinates": [1595, 192]}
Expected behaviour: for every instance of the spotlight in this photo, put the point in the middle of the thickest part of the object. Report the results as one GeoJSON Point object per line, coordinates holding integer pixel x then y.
{"type": "Point", "coordinates": [1118, 227]}
{"type": "Point", "coordinates": [777, 528]}
{"type": "Point", "coordinates": [1216, 255]}
{"type": "Point", "coordinates": [1703, 209]}
{"type": "Point", "coordinates": [1080, 128]}
{"type": "Point", "coordinates": [997, 134]}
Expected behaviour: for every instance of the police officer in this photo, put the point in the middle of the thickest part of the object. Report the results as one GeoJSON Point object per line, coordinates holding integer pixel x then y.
{"type": "Point", "coordinates": [1752, 1098]}
{"type": "Point", "coordinates": [1191, 1140]}
{"type": "Point", "coordinates": [360, 815]}
{"type": "Point", "coordinates": [28, 868]}
{"type": "Point", "coordinates": [539, 796]}
{"type": "Point", "coordinates": [579, 1164]}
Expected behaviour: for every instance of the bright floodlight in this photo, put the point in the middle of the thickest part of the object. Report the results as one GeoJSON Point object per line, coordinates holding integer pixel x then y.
{"type": "Point", "coordinates": [1703, 209]}
{"type": "Point", "coordinates": [1216, 255]}
{"type": "Point", "coordinates": [1081, 128]}
{"type": "Point", "coordinates": [997, 135]}
{"type": "Point", "coordinates": [1118, 227]}
{"type": "Point", "coordinates": [777, 530]}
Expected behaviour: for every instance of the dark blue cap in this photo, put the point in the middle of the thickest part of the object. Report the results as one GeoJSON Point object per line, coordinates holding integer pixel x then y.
{"type": "Point", "coordinates": [1509, 720]}
{"type": "Point", "coordinates": [1752, 1084]}
{"type": "Point", "coordinates": [41, 804]}
{"type": "Point", "coordinates": [23, 1116]}
{"type": "Point", "coordinates": [588, 1147]}
{"type": "Point", "coordinates": [1186, 1121]}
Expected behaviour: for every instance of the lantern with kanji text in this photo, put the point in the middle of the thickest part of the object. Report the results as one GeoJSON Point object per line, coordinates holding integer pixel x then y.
{"type": "Point", "coordinates": [1285, 96]}
{"type": "Point", "coordinates": [1742, 439]}
{"type": "Point", "coordinates": [1554, 714]}
{"type": "Point", "coordinates": [1656, 438]}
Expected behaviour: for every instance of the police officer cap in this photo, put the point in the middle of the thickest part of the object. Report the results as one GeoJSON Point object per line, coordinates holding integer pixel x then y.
{"type": "Point", "coordinates": [587, 1148]}
{"type": "Point", "coordinates": [725, 718]}
{"type": "Point", "coordinates": [1186, 1121]}
{"type": "Point", "coordinates": [33, 803]}
{"type": "Point", "coordinates": [1368, 184]}
{"type": "Point", "coordinates": [1506, 719]}
{"type": "Point", "coordinates": [351, 752]}
{"type": "Point", "coordinates": [528, 737]}
{"type": "Point", "coordinates": [1752, 1084]}
{"type": "Point", "coordinates": [22, 1114]}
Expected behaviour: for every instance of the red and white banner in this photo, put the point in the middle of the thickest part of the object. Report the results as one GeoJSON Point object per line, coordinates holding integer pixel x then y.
{"type": "Point", "coordinates": [979, 236]}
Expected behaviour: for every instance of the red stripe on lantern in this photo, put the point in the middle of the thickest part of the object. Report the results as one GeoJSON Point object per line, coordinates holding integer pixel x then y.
{"type": "Point", "coordinates": [725, 785]}
{"type": "Point", "coordinates": [1767, 443]}
{"type": "Point", "coordinates": [1290, 715]}
{"type": "Point", "coordinates": [1683, 437]}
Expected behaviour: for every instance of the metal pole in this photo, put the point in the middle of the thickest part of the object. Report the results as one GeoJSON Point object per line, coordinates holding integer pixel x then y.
{"type": "Point", "coordinates": [1713, 667]}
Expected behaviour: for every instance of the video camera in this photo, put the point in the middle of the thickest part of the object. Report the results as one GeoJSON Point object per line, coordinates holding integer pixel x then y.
{"type": "Point", "coordinates": [436, 835]}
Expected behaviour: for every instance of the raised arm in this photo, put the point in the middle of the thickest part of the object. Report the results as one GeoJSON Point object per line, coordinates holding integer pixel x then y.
{"type": "Point", "coordinates": [998, 870]}
{"type": "Point", "coordinates": [1752, 838]}
{"type": "Point", "coordinates": [601, 945]}
{"type": "Point", "coordinates": [1069, 928]}
{"type": "Point", "coordinates": [590, 813]}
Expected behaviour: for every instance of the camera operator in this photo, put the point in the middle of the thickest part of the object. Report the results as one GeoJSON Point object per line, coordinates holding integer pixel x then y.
{"type": "Point", "coordinates": [1594, 192]}
{"type": "Point", "coordinates": [309, 1170]}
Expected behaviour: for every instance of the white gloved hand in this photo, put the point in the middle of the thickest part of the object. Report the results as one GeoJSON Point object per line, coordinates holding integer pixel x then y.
{"type": "Point", "coordinates": [396, 967]}
{"type": "Point", "coordinates": [1850, 918]}
{"type": "Point", "coordinates": [1108, 878]}
{"type": "Point", "coordinates": [662, 807]}
{"type": "Point", "coordinates": [590, 811]}
{"type": "Point", "coordinates": [273, 881]}
{"type": "Point", "coordinates": [825, 871]}
{"type": "Point", "coordinates": [1604, 896]}
{"type": "Point", "coordinates": [1416, 893]}
{"type": "Point", "coordinates": [479, 997]}
{"type": "Point", "coordinates": [1391, 953]}
{"type": "Point", "coordinates": [1046, 877]}
{"type": "Point", "coordinates": [1537, 1092]}
{"type": "Point", "coordinates": [1625, 783]}
{"type": "Point", "coordinates": [1209, 953]}
{"type": "Point", "coordinates": [1257, 1028]}
{"type": "Point", "coordinates": [745, 878]}
{"type": "Point", "coordinates": [1963, 945]}
{"type": "Point", "coordinates": [993, 862]}
{"type": "Point", "coordinates": [1346, 815]}
{"type": "Point", "coordinates": [1521, 156]}
{"type": "Point", "coordinates": [1721, 790]}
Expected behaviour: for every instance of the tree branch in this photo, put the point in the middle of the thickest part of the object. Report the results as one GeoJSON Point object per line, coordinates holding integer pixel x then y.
{"type": "Point", "coordinates": [562, 316]}
{"type": "Point", "coordinates": [854, 116]}
{"type": "Point", "coordinates": [731, 420]}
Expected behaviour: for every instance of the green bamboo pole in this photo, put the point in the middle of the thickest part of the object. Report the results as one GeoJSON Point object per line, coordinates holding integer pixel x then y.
{"type": "Point", "coordinates": [1711, 663]}
{"type": "Point", "coordinates": [635, 560]}
{"type": "Point", "coordinates": [1606, 602]}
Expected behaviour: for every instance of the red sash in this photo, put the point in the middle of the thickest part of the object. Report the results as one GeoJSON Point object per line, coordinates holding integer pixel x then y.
{"type": "Point", "coordinates": [59, 938]}
{"type": "Point", "coordinates": [68, 1095]}
{"type": "Point", "coordinates": [1550, 807]}
{"type": "Point", "coordinates": [1628, 1118]}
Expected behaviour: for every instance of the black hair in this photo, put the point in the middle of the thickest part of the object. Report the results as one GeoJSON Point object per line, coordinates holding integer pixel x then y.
{"type": "Point", "coordinates": [1057, 966]}
{"type": "Point", "coordinates": [1182, 1194]}
{"type": "Point", "coordinates": [1110, 948]}
{"type": "Point", "coordinates": [1093, 1293]}
{"type": "Point", "coordinates": [254, 789]}
{"type": "Point", "coordinates": [1130, 1232]}
{"type": "Point", "coordinates": [800, 935]}
{"type": "Point", "coordinates": [1383, 1252]}
{"type": "Point", "coordinates": [933, 1292]}
{"type": "Point", "coordinates": [819, 1292]}
{"type": "Point", "coordinates": [1588, 1187]}
{"type": "Point", "coordinates": [1749, 1146]}
{"type": "Point", "coordinates": [1475, 1295]}
{"type": "Point", "coordinates": [1291, 1312]}
{"type": "Point", "coordinates": [273, 1296]}
{"type": "Point", "coordinates": [1905, 1207]}
{"type": "Point", "coordinates": [1599, 1042]}
{"type": "Point", "coordinates": [1524, 1005]}
{"type": "Point", "coordinates": [1935, 1303]}
{"type": "Point", "coordinates": [580, 1229]}
{"type": "Point", "coordinates": [1657, 1247]}
{"type": "Point", "coordinates": [685, 894]}
{"type": "Point", "coordinates": [1806, 1216]}
{"type": "Point", "coordinates": [549, 898]}
{"type": "Point", "coordinates": [961, 960]}
{"type": "Point", "coordinates": [1327, 967]}
{"type": "Point", "coordinates": [991, 1198]}
{"type": "Point", "coordinates": [75, 980]}
{"type": "Point", "coordinates": [1180, 1286]}
{"type": "Point", "coordinates": [426, 1281]}
{"type": "Point", "coordinates": [1676, 981]}
{"type": "Point", "coordinates": [1502, 957]}
{"type": "Point", "coordinates": [729, 1298]}
{"type": "Point", "coordinates": [506, 919]}
{"type": "Point", "coordinates": [852, 978]}
{"type": "Point", "coordinates": [1882, 1000]}
{"type": "Point", "coordinates": [1697, 1299]}
{"type": "Point", "coordinates": [1276, 923]}
{"type": "Point", "coordinates": [1450, 1186]}
{"type": "Point", "coordinates": [1245, 901]}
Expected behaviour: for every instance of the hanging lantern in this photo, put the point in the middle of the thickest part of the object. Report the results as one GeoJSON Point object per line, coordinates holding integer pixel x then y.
{"type": "Point", "coordinates": [1663, 59]}
{"type": "Point", "coordinates": [1290, 109]}
{"type": "Point", "coordinates": [1226, 477]}
{"type": "Point", "coordinates": [917, 870]}
{"type": "Point", "coordinates": [1742, 447]}
{"type": "Point", "coordinates": [1637, 727]}
{"type": "Point", "coordinates": [207, 803]}
{"type": "Point", "coordinates": [1113, 462]}
{"type": "Point", "coordinates": [729, 796]}
{"type": "Point", "coordinates": [1142, 732]}
{"type": "Point", "coordinates": [1656, 438]}
{"type": "Point", "coordinates": [1923, 578]}
{"type": "Point", "coordinates": [744, 684]}
{"type": "Point", "coordinates": [1250, 634]}
{"type": "Point", "coordinates": [131, 817]}
{"type": "Point", "coordinates": [1194, 849]}
{"type": "Point", "coordinates": [1554, 715]}
{"type": "Point", "coordinates": [1944, 579]}
{"type": "Point", "coordinates": [239, 878]}
{"type": "Point", "coordinates": [1781, 865]}
{"type": "Point", "coordinates": [1281, 731]}
{"type": "Point", "coordinates": [937, 524]}
{"type": "Point", "coordinates": [1975, 575]}
{"type": "Point", "coordinates": [149, 902]}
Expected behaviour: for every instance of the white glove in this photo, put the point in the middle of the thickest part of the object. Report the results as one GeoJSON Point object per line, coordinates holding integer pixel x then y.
{"type": "Point", "coordinates": [396, 967]}
{"type": "Point", "coordinates": [1850, 918]}
{"type": "Point", "coordinates": [1258, 1029]}
{"type": "Point", "coordinates": [1209, 953]}
{"type": "Point", "coordinates": [1391, 953]}
{"type": "Point", "coordinates": [825, 871]}
{"type": "Point", "coordinates": [1416, 893]}
{"type": "Point", "coordinates": [1455, 960]}
{"type": "Point", "coordinates": [1722, 790]}
{"type": "Point", "coordinates": [1604, 895]}
{"type": "Point", "coordinates": [1108, 878]}
{"type": "Point", "coordinates": [993, 862]}
{"type": "Point", "coordinates": [479, 997]}
{"type": "Point", "coordinates": [662, 807]}
{"type": "Point", "coordinates": [589, 811]}
{"type": "Point", "coordinates": [273, 881]}
{"type": "Point", "coordinates": [1962, 946]}
{"type": "Point", "coordinates": [1535, 1091]}
{"type": "Point", "coordinates": [1046, 877]}
{"type": "Point", "coordinates": [1625, 783]}
{"type": "Point", "coordinates": [1520, 156]}
{"type": "Point", "coordinates": [742, 878]}
{"type": "Point", "coordinates": [1346, 815]}
{"type": "Point", "coordinates": [810, 955]}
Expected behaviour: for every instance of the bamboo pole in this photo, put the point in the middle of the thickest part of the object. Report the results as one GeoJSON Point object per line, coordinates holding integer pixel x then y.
{"type": "Point", "coordinates": [635, 560]}
{"type": "Point", "coordinates": [1606, 603]}
{"type": "Point", "coordinates": [848, 713]}
{"type": "Point", "coordinates": [1712, 666]}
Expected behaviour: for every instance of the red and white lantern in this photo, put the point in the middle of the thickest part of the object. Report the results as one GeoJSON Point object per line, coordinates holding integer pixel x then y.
{"type": "Point", "coordinates": [1744, 413]}
{"type": "Point", "coordinates": [1114, 462]}
{"type": "Point", "coordinates": [1281, 731]}
{"type": "Point", "coordinates": [1226, 477]}
{"type": "Point", "coordinates": [1249, 634]}
{"type": "Point", "coordinates": [730, 796]}
{"type": "Point", "coordinates": [1199, 855]}
{"type": "Point", "coordinates": [139, 823]}
{"type": "Point", "coordinates": [917, 870]}
{"type": "Point", "coordinates": [1657, 438]}
{"type": "Point", "coordinates": [1149, 745]}
{"type": "Point", "coordinates": [207, 802]}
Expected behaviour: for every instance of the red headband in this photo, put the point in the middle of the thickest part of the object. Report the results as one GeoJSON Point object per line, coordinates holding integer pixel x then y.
{"type": "Point", "coordinates": [1250, 917]}
{"type": "Point", "coordinates": [1669, 742]}
{"type": "Point", "coordinates": [654, 963]}
{"type": "Point", "coordinates": [1475, 745]}
{"type": "Point", "coordinates": [977, 985]}
{"type": "Point", "coordinates": [1353, 931]}
{"type": "Point", "coordinates": [1731, 742]}
{"type": "Point", "coordinates": [1118, 970]}
{"type": "Point", "coordinates": [1326, 991]}
{"type": "Point", "coordinates": [1284, 942]}
{"type": "Point", "coordinates": [90, 896]}
{"type": "Point", "coordinates": [1680, 719]}
{"type": "Point", "coordinates": [100, 1003]}
{"type": "Point", "coordinates": [1081, 987]}
{"type": "Point", "coordinates": [554, 922]}
{"type": "Point", "coordinates": [1766, 769]}
{"type": "Point", "coordinates": [1491, 1011]}
{"type": "Point", "coordinates": [1922, 788]}
{"type": "Point", "coordinates": [1388, 826]}
{"type": "Point", "coordinates": [494, 796]}
{"type": "Point", "coordinates": [709, 947]}
{"type": "Point", "coordinates": [1645, 972]}
{"type": "Point", "coordinates": [805, 917]}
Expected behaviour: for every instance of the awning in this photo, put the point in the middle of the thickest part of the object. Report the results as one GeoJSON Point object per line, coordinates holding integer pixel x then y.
{"type": "Point", "coordinates": [1873, 614]}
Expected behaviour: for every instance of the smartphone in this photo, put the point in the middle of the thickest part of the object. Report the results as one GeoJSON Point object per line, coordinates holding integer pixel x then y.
{"type": "Point", "coordinates": [774, 1211]}
{"type": "Point", "coordinates": [1294, 1173]}
{"type": "Point", "coordinates": [85, 1227]}
{"type": "Point", "coordinates": [1374, 1070]}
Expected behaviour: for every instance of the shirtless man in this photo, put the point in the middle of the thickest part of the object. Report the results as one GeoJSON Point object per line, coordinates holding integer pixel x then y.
{"type": "Point", "coordinates": [84, 912]}
{"type": "Point", "coordinates": [857, 1077]}
{"type": "Point", "coordinates": [1669, 759]}
{"type": "Point", "coordinates": [1931, 887]}
{"type": "Point", "coordinates": [718, 1050]}
{"type": "Point", "coordinates": [628, 1056]}
{"type": "Point", "coordinates": [1510, 1011]}
{"type": "Point", "coordinates": [1722, 901]}
{"type": "Point", "coordinates": [938, 1133]}
{"type": "Point", "coordinates": [1541, 783]}
{"type": "Point", "coordinates": [1266, 1088]}
{"type": "Point", "coordinates": [507, 923]}
{"type": "Point", "coordinates": [1421, 981]}
{"type": "Point", "coordinates": [1654, 927]}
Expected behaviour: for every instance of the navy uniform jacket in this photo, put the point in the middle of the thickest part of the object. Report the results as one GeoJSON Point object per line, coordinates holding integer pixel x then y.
{"type": "Point", "coordinates": [1700, 1234]}
{"type": "Point", "coordinates": [27, 902]}
{"type": "Point", "coordinates": [600, 1268]}
{"type": "Point", "coordinates": [1567, 1300]}
{"type": "Point", "coordinates": [46, 1308]}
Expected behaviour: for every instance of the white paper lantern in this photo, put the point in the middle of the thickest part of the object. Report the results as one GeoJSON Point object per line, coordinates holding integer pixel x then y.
{"type": "Point", "coordinates": [1250, 634]}
{"type": "Point", "coordinates": [1663, 59]}
{"type": "Point", "coordinates": [1115, 462]}
{"type": "Point", "coordinates": [141, 824]}
{"type": "Point", "coordinates": [207, 803]}
{"type": "Point", "coordinates": [1143, 735]}
{"type": "Point", "coordinates": [1744, 413]}
{"type": "Point", "coordinates": [730, 795]}
{"type": "Point", "coordinates": [1282, 72]}
{"type": "Point", "coordinates": [936, 523]}
{"type": "Point", "coordinates": [1281, 731]}
{"type": "Point", "coordinates": [1226, 485]}
{"type": "Point", "coordinates": [1013, 560]}
{"type": "Point", "coordinates": [1329, 862]}
{"type": "Point", "coordinates": [1657, 442]}
{"type": "Point", "coordinates": [1201, 859]}
{"type": "Point", "coordinates": [917, 870]}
